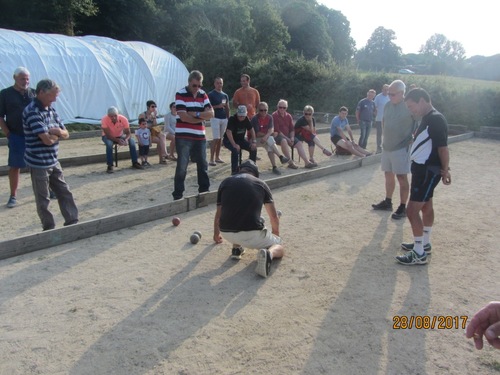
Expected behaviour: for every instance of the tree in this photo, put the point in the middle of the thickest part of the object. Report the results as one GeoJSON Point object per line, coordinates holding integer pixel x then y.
{"type": "Point", "coordinates": [339, 30]}
{"type": "Point", "coordinates": [442, 55]}
{"type": "Point", "coordinates": [308, 31]}
{"type": "Point", "coordinates": [56, 16]}
{"type": "Point", "coordinates": [439, 46]}
{"type": "Point", "coordinates": [271, 34]}
{"type": "Point", "coordinates": [380, 52]}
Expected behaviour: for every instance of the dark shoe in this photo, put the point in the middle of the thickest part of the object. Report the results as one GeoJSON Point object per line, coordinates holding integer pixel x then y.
{"type": "Point", "coordinates": [284, 159]}
{"type": "Point", "coordinates": [384, 206]}
{"type": "Point", "coordinates": [263, 263]}
{"type": "Point", "coordinates": [411, 258]}
{"type": "Point", "coordinates": [400, 213]}
{"type": "Point", "coordinates": [410, 246]}
{"type": "Point", "coordinates": [12, 202]}
{"type": "Point", "coordinates": [136, 165]}
{"type": "Point", "coordinates": [311, 165]}
{"type": "Point", "coordinates": [276, 170]}
{"type": "Point", "coordinates": [52, 195]}
{"type": "Point", "coordinates": [110, 169]}
{"type": "Point", "coordinates": [237, 252]}
{"type": "Point", "coordinates": [379, 150]}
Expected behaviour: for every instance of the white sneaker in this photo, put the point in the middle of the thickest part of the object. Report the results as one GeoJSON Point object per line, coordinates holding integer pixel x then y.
{"type": "Point", "coordinates": [263, 263]}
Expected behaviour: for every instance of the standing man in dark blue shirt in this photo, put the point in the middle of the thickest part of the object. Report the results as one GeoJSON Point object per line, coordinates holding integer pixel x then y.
{"type": "Point", "coordinates": [43, 128]}
{"type": "Point", "coordinates": [13, 100]}
{"type": "Point", "coordinates": [220, 103]}
{"type": "Point", "coordinates": [365, 113]}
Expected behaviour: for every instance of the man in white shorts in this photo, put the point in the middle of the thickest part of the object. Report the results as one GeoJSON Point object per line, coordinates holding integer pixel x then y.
{"type": "Point", "coordinates": [218, 123]}
{"type": "Point", "coordinates": [397, 125]}
{"type": "Point", "coordinates": [239, 220]}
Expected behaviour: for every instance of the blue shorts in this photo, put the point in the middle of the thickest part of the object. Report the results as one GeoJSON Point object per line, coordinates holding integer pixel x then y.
{"type": "Point", "coordinates": [16, 151]}
{"type": "Point", "coordinates": [424, 179]}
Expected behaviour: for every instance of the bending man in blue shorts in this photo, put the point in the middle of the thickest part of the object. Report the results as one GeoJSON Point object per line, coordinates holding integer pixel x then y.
{"type": "Point", "coordinates": [430, 163]}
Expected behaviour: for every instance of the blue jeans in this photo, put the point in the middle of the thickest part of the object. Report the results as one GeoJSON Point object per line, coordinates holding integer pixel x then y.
{"type": "Point", "coordinates": [365, 128]}
{"type": "Point", "coordinates": [244, 145]}
{"type": "Point", "coordinates": [109, 150]}
{"type": "Point", "coordinates": [197, 150]}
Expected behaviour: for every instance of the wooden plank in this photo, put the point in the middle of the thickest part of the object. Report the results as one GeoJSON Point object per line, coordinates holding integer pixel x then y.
{"type": "Point", "coordinates": [59, 236]}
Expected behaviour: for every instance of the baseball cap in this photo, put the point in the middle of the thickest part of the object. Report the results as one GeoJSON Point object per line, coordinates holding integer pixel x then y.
{"type": "Point", "coordinates": [242, 110]}
{"type": "Point", "coordinates": [250, 166]}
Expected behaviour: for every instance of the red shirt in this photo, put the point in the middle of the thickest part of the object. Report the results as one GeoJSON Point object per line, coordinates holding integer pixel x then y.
{"type": "Point", "coordinates": [283, 124]}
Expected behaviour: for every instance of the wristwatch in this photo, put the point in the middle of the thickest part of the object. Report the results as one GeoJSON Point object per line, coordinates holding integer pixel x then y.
{"type": "Point", "coordinates": [197, 114]}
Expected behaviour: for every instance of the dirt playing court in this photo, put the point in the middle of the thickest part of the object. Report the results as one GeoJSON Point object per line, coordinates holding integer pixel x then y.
{"type": "Point", "coordinates": [143, 300]}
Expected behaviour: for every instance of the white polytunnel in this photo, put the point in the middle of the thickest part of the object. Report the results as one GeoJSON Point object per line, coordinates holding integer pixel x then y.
{"type": "Point", "coordinates": [94, 72]}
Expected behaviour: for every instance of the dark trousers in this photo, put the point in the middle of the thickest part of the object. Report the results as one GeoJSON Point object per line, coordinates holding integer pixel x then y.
{"type": "Point", "coordinates": [197, 150]}
{"type": "Point", "coordinates": [244, 145]}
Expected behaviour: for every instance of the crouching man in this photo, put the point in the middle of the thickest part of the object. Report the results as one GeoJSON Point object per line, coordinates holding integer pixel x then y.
{"type": "Point", "coordinates": [239, 220]}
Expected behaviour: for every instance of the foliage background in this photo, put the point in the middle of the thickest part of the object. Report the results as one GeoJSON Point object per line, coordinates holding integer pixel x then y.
{"type": "Point", "coordinates": [298, 50]}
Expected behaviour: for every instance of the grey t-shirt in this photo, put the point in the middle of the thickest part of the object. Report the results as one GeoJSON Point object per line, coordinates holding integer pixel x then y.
{"type": "Point", "coordinates": [398, 126]}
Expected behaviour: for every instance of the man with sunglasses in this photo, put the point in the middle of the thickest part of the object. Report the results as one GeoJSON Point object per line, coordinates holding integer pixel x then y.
{"type": "Point", "coordinates": [193, 108]}
{"type": "Point", "coordinates": [397, 125]}
{"type": "Point", "coordinates": [263, 126]}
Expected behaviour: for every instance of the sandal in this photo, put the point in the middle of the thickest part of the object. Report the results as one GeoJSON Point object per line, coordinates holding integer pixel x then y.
{"type": "Point", "coordinates": [212, 164]}
{"type": "Point", "coordinates": [326, 152]}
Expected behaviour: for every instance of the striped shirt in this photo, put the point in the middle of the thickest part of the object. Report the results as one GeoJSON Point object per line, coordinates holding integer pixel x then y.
{"type": "Point", "coordinates": [186, 102]}
{"type": "Point", "coordinates": [38, 120]}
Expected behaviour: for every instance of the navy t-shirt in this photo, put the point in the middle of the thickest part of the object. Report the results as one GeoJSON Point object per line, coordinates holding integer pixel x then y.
{"type": "Point", "coordinates": [216, 98]}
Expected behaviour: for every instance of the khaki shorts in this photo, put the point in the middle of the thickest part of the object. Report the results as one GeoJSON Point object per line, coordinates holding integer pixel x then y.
{"type": "Point", "coordinates": [155, 131]}
{"type": "Point", "coordinates": [254, 239]}
{"type": "Point", "coordinates": [397, 162]}
{"type": "Point", "coordinates": [269, 145]}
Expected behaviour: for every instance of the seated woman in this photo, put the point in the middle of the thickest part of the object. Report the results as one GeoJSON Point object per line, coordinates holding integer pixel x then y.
{"type": "Point", "coordinates": [305, 131]}
{"type": "Point", "coordinates": [337, 135]}
{"type": "Point", "coordinates": [157, 135]}
{"type": "Point", "coordinates": [169, 130]}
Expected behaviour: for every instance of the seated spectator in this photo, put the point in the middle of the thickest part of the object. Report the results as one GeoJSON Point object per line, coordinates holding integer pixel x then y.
{"type": "Point", "coordinates": [284, 133]}
{"type": "Point", "coordinates": [234, 137]}
{"type": "Point", "coordinates": [263, 126]}
{"type": "Point", "coordinates": [157, 136]}
{"type": "Point", "coordinates": [143, 135]}
{"type": "Point", "coordinates": [305, 131]}
{"type": "Point", "coordinates": [116, 130]}
{"type": "Point", "coordinates": [337, 135]}
{"type": "Point", "coordinates": [169, 130]}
